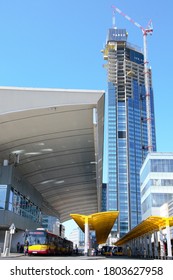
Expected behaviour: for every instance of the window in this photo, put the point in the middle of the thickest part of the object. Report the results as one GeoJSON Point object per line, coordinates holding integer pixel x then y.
{"type": "Point", "coordinates": [3, 191]}
{"type": "Point", "coordinates": [121, 134]}
{"type": "Point", "coordinates": [22, 206]}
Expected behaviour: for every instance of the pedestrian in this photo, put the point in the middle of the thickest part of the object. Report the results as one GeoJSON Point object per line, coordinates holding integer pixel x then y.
{"type": "Point", "coordinates": [26, 247]}
{"type": "Point", "coordinates": [18, 247]}
{"type": "Point", "coordinates": [76, 250]}
{"type": "Point", "coordinates": [21, 248]}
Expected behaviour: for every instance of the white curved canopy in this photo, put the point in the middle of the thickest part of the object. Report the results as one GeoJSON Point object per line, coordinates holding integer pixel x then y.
{"type": "Point", "coordinates": [60, 153]}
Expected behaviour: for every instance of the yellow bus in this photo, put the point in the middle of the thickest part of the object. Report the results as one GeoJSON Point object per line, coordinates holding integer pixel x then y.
{"type": "Point", "coordinates": [43, 242]}
{"type": "Point", "coordinates": [117, 251]}
{"type": "Point", "coordinates": [106, 250]}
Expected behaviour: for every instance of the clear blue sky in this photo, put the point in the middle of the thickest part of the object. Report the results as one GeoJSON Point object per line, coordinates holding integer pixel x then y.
{"type": "Point", "coordinates": [57, 43]}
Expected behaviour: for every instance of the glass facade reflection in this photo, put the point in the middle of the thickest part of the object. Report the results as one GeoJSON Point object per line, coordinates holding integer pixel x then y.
{"type": "Point", "coordinates": [14, 201]}
{"type": "Point", "coordinates": [3, 193]}
{"type": "Point", "coordinates": [127, 128]}
{"type": "Point", "coordinates": [112, 186]}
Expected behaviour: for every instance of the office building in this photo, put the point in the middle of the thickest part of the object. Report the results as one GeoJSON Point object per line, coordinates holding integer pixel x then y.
{"type": "Point", "coordinates": [127, 137]}
{"type": "Point", "coordinates": [157, 185]}
{"type": "Point", "coordinates": [77, 236]}
{"type": "Point", "coordinates": [53, 225]}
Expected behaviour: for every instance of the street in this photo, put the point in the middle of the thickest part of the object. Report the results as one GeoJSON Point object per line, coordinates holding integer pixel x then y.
{"type": "Point", "coordinates": [15, 256]}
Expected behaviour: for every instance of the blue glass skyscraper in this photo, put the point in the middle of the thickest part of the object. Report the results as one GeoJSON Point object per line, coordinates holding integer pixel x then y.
{"type": "Point", "coordinates": [127, 138]}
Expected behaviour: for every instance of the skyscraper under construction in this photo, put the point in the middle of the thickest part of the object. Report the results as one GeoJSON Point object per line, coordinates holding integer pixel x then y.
{"type": "Point", "coordinates": [127, 135]}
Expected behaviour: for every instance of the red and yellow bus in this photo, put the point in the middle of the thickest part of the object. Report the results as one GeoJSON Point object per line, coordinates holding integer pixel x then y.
{"type": "Point", "coordinates": [43, 242]}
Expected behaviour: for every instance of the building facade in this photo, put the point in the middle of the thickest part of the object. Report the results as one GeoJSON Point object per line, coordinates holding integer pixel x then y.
{"type": "Point", "coordinates": [18, 200]}
{"type": "Point", "coordinates": [77, 236]}
{"type": "Point", "coordinates": [157, 185]}
{"type": "Point", "coordinates": [53, 225]}
{"type": "Point", "coordinates": [20, 204]}
{"type": "Point", "coordinates": [127, 139]}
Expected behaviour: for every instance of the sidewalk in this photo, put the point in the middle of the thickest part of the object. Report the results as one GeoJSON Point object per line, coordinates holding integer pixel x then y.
{"type": "Point", "coordinates": [22, 256]}
{"type": "Point", "coordinates": [12, 255]}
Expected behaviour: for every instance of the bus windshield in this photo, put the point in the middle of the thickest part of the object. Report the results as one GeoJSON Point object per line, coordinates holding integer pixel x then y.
{"type": "Point", "coordinates": [34, 238]}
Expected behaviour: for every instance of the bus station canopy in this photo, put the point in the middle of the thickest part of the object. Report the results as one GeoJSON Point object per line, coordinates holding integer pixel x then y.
{"type": "Point", "coordinates": [101, 222]}
{"type": "Point", "coordinates": [151, 224]}
{"type": "Point", "coordinates": [57, 137]}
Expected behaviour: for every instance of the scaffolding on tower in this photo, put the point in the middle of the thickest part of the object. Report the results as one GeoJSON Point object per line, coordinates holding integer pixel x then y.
{"type": "Point", "coordinates": [145, 32]}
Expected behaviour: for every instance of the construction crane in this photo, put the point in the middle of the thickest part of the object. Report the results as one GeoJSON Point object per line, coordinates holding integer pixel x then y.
{"type": "Point", "coordinates": [145, 32]}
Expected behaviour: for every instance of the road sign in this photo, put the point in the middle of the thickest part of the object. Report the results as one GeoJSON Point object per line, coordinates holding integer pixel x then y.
{"type": "Point", "coordinates": [12, 229]}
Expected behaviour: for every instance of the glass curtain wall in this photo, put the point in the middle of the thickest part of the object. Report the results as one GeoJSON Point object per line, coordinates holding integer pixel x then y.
{"type": "Point", "coordinates": [18, 203]}
{"type": "Point", "coordinates": [3, 193]}
{"type": "Point", "coordinates": [127, 127]}
{"type": "Point", "coordinates": [112, 201]}
{"type": "Point", "coordinates": [22, 206]}
{"type": "Point", "coordinates": [123, 169]}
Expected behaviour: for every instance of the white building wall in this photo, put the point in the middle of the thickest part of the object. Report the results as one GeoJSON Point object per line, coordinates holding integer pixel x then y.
{"type": "Point", "coordinates": [154, 182]}
{"type": "Point", "coordinates": [170, 212]}
{"type": "Point", "coordinates": [74, 237]}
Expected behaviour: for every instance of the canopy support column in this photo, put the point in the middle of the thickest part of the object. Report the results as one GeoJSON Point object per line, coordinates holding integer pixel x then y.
{"type": "Point", "coordinates": [150, 246]}
{"type": "Point", "coordinates": [156, 246]}
{"type": "Point", "coordinates": [86, 236]}
{"type": "Point", "coordinates": [145, 246]}
{"type": "Point", "coordinates": [162, 246]}
{"type": "Point", "coordinates": [168, 237]}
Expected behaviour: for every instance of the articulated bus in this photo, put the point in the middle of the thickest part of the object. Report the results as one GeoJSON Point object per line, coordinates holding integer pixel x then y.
{"type": "Point", "coordinates": [43, 242]}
